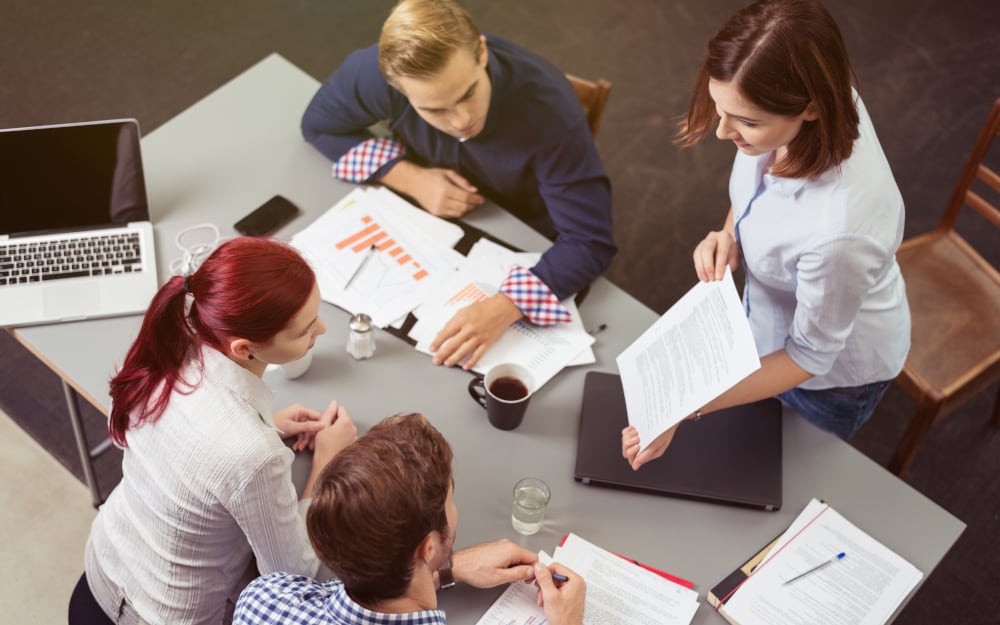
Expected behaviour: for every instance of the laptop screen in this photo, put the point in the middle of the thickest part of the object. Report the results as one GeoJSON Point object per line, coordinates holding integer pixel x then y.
{"type": "Point", "coordinates": [71, 177]}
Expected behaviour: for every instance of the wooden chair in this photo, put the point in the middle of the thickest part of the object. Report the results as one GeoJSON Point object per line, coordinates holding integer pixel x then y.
{"type": "Point", "coordinates": [593, 96]}
{"type": "Point", "coordinates": [954, 296]}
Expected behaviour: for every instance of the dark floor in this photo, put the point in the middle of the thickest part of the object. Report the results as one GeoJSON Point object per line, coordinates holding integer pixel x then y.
{"type": "Point", "coordinates": [929, 71]}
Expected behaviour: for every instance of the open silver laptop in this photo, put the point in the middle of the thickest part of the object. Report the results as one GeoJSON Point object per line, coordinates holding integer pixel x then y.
{"type": "Point", "coordinates": [76, 240]}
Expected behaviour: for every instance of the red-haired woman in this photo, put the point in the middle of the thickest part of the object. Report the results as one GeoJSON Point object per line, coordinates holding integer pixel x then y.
{"type": "Point", "coordinates": [815, 218]}
{"type": "Point", "coordinates": [206, 477]}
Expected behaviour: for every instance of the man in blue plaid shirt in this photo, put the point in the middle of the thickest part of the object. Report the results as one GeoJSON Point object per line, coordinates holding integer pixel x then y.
{"type": "Point", "coordinates": [383, 519]}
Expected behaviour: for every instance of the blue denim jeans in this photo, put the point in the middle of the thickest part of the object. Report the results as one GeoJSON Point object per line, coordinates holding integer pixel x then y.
{"type": "Point", "coordinates": [841, 411]}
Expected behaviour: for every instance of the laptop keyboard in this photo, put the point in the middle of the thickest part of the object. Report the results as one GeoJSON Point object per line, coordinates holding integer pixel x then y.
{"type": "Point", "coordinates": [79, 257]}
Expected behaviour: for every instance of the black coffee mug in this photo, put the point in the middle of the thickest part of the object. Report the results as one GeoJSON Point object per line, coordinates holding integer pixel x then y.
{"type": "Point", "coordinates": [504, 391]}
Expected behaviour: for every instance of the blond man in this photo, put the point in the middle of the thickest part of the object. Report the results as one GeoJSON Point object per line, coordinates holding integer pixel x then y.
{"type": "Point", "coordinates": [473, 117]}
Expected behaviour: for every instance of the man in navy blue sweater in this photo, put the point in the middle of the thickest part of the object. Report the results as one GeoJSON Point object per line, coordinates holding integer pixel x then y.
{"type": "Point", "coordinates": [473, 118]}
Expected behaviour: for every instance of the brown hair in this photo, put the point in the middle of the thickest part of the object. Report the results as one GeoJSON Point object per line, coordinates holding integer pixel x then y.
{"type": "Point", "coordinates": [419, 37]}
{"type": "Point", "coordinates": [783, 55]}
{"type": "Point", "coordinates": [376, 501]}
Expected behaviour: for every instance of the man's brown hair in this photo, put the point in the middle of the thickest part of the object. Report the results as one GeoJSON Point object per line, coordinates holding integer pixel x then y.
{"type": "Point", "coordinates": [376, 501]}
{"type": "Point", "coordinates": [419, 37]}
{"type": "Point", "coordinates": [783, 55]}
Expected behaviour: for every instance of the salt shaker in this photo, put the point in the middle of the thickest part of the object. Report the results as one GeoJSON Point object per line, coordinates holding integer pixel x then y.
{"type": "Point", "coordinates": [361, 341]}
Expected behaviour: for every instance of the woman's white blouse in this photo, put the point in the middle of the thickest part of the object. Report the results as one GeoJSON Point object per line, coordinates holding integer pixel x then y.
{"type": "Point", "coordinates": [821, 273]}
{"type": "Point", "coordinates": [204, 487]}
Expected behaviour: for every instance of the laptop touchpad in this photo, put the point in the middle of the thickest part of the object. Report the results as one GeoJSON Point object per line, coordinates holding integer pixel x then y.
{"type": "Point", "coordinates": [67, 301]}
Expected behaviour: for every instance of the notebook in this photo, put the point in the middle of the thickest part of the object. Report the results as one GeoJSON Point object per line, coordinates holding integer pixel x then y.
{"type": "Point", "coordinates": [76, 240]}
{"type": "Point", "coordinates": [732, 456]}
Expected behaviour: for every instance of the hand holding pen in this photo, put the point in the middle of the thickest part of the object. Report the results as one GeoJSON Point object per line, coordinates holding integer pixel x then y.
{"type": "Point", "coordinates": [562, 602]}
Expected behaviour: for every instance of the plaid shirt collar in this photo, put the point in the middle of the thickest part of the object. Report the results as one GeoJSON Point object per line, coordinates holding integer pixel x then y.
{"type": "Point", "coordinates": [343, 609]}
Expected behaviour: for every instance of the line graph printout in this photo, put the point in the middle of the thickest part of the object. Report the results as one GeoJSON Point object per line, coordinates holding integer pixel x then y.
{"type": "Point", "coordinates": [374, 253]}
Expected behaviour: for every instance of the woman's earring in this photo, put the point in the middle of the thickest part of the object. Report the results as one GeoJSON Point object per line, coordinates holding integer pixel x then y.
{"type": "Point", "coordinates": [250, 356]}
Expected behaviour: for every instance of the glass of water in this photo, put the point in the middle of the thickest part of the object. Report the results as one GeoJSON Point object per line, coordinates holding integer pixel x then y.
{"type": "Point", "coordinates": [531, 495]}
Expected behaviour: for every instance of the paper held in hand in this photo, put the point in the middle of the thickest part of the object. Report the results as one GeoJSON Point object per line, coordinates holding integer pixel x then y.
{"type": "Point", "coordinates": [696, 351]}
{"type": "Point", "coordinates": [619, 592]}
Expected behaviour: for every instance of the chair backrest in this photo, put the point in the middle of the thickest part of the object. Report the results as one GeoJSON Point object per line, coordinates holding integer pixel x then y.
{"type": "Point", "coordinates": [973, 169]}
{"type": "Point", "coordinates": [593, 96]}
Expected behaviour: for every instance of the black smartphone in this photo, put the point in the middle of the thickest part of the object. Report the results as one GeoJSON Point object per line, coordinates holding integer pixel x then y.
{"type": "Point", "coordinates": [267, 217]}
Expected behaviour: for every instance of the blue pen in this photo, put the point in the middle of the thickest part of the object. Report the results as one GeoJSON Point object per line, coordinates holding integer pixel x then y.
{"type": "Point", "coordinates": [839, 556]}
{"type": "Point", "coordinates": [556, 577]}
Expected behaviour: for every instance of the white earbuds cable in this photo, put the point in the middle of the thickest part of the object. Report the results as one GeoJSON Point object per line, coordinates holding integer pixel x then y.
{"type": "Point", "coordinates": [194, 253]}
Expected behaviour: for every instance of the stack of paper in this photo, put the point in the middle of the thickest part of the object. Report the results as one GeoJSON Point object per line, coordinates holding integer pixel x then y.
{"type": "Point", "coordinates": [802, 580]}
{"type": "Point", "coordinates": [377, 254]}
{"type": "Point", "coordinates": [618, 592]}
{"type": "Point", "coordinates": [543, 351]}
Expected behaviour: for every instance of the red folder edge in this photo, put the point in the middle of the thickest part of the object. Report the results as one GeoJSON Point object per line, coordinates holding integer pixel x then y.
{"type": "Point", "coordinates": [667, 576]}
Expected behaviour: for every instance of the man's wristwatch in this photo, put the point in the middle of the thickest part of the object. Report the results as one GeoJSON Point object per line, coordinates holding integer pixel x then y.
{"type": "Point", "coordinates": [445, 577]}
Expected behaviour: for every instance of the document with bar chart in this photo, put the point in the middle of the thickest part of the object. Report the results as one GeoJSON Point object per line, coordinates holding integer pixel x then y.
{"type": "Point", "coordinates": [375, 253]}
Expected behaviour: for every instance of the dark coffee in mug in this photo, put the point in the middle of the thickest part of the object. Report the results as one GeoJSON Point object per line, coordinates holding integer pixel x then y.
{"type": "Point", "coordinates": [504, 391]}
{"type": "Point", "coordinates": [508, 388]}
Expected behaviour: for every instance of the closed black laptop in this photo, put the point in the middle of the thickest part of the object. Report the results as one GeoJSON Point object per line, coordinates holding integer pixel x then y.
{"type": "Point", "coordinates": [732, 456]}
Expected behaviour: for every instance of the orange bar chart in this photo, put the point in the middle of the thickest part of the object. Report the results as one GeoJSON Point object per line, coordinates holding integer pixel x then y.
{"type": "Point", "coordinates": [371, 233]}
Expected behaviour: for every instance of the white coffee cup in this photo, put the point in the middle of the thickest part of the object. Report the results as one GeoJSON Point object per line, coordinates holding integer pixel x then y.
{"type": "Point", "coordinates": [297, 368]}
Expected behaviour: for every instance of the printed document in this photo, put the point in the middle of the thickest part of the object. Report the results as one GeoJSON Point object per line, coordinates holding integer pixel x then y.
{"type": "Point", "coordinates": [375, 253]}
{"type": "Point", "coordinates": [517, 605]}
{"type": "Point", "coordinates": [863, 588]}
{"type": "Point", "coordinates": [545, 351]}
{"type": "Point", "coordinates": [618, 592]}
{"type": "Point", "coordinates": [696, 351]}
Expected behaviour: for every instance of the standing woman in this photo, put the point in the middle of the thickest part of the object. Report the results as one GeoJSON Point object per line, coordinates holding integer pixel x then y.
{"type": "Point", "coordinates": [815, 218]}
{"type": "Point", "coordinates": [206, 477]}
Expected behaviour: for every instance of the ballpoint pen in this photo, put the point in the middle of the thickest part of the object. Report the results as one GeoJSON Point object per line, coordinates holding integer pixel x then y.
{"type": "Point", "coordinates": [371, 250]}
{"type": "Point", "coordinates": [839, 556]}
